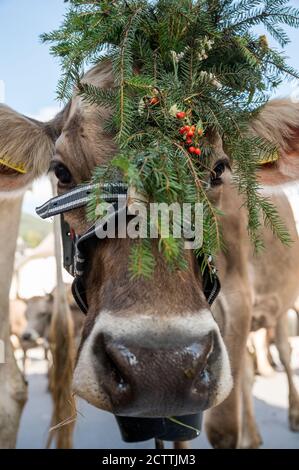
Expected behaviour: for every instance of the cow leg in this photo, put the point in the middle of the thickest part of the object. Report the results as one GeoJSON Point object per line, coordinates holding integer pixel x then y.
{"type": "Point", "coordinates": [13, 397]}
{"type": "Point", "coordinates": [284, 349]}
{"type": "Point", "coordinates": [260, 342]}
{"type": "Point", "coordinates": [223, 422]}
{"type": "Point", "coordinates": [270, 340]}
{"type": "Point", "coordinates": [24, 358]}
{"type": "Point", "coordinates": [13, 391]}
{"type": "Point", "coordinates": [251, 438]}
{"type": "Point", "coordinates": [181, 445]}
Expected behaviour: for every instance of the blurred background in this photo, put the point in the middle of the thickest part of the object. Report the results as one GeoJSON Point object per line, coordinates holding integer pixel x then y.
{"type": "Point", "coordinates": [28, 78]}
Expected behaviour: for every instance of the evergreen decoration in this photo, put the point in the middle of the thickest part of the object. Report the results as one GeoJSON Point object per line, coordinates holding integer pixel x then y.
{"type": "Point", "coordinates": [182, 68]}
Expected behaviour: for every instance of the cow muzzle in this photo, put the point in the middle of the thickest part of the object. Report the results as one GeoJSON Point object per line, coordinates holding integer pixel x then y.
{"type": "Point", "coordinates": [143, 371]}
{"type": "Point", "coordinates": [156, 381]}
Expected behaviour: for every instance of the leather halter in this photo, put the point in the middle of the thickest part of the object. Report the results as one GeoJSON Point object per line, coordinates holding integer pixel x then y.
{"type": "Point", "coordinates": [75, 255]}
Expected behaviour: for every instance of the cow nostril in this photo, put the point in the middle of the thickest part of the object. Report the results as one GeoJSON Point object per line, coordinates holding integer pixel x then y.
{"type": "Point", "coordinates": [115, 371]}
{"type": "Point", "coordinates": [26, 336]}
{"type": "Point", "coordinates": [208, 357]}
{"type": "Point", "coordinates": [116, 379]}
{"type": "Point", "coordinates": [201, 382]}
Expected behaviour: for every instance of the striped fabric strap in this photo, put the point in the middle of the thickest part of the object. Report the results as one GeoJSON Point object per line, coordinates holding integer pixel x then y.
{"type": "Point", "coordinates": [79, 197]}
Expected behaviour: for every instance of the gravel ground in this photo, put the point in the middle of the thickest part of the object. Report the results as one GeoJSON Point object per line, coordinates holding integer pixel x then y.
{"type": "Point", "coordinates": [98, 430]}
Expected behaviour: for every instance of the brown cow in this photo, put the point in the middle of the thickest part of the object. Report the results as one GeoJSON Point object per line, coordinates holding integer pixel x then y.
{"type": "Point", "coordinates": [273, 284]}
{"type": "Point", "coordinates": [39, 313]}
{"type": "Point", "coordinates": [139, 336]}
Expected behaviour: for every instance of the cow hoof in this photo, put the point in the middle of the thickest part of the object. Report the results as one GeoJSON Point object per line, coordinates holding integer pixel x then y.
{"type": "Point", "coordinates": [294, 420]}
{"type": "Point", "coordinates": [221, 440]}
{"type": "Point", "coordinates": [252, 442]}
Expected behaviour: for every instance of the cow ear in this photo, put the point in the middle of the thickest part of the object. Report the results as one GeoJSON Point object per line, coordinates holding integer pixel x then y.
{"type": "Point", "coordinates": [278, 122]}
{"type": "Point", "coordinates": [26, 148]}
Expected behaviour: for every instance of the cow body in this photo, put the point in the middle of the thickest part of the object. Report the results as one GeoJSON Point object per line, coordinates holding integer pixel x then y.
{"type": "Point", "coordinates": [274, 273]}
{"type": "Point", "coordinates": [276, 288]}
{"type": "Point", "coordinates": [256, 292]}
{"type": "Point", "coordinates": [13, 389]}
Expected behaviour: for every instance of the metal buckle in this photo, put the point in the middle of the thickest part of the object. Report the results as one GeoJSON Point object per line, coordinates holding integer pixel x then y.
{"type": "Point", "coordinates": [69, 247]}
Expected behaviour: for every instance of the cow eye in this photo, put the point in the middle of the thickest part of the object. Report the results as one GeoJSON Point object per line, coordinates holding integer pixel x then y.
{"type": "Point", "coordinates": [43, 314]}
{"type": "Point", "coordinates": [217, 172]}
{"type": "Point", "coordinates": [62, 173]}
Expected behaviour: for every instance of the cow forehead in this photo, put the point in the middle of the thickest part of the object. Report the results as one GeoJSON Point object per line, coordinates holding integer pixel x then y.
{"type": "Point", "coordinates": [83, 141]}
{"type": "Point", "coordinates": [78, 112]}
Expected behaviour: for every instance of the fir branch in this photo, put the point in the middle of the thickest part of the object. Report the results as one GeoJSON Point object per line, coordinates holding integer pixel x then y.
{"type": "Point", "coordinates": [125, 62]}
{"type": "Point", "coordinates": [200, 57]}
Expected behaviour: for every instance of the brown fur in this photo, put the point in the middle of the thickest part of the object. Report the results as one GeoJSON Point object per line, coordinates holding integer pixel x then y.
{"type": "Point", "coordinates": [278, 123]}
{"type": "Point", "coordinates": [15, 129]}
{"type": "Point", "coordinates": [13, 389]}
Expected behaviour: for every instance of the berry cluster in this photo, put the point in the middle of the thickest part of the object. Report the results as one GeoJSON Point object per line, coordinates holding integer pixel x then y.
{"type": "Point", "coordinates": [191, 134]}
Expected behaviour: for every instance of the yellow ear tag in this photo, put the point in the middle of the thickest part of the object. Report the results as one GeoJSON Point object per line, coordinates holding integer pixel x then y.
{"type": "Point", "coordinates": [19, 168]}
{"type": "Point", "coordinates": [271, 158]}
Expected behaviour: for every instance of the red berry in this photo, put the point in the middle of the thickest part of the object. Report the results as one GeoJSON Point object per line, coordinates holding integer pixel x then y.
{"type": "Point", "coordinates": [193, 128]}
{"type": "Point", "coordinates": [182, 130]}
{"type": "Point", "coordinates": [197, 151]}
{"type": "Point", "coordinates": [181, 115]}
{"type": "Point", "coordinates": [190, 134]}
{"type": "Point", "coordinates": [188, 141]}
{"type": "Point", "coordinates": [200, 132]}
{"type": "Point", "coordinates": [192, 149]}
{"type": "Point", "coordinates": [154, 100]}
{"type": "Point", "coordinates": [187, 128]}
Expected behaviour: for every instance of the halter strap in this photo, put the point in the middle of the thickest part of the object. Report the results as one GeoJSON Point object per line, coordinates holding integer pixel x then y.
{"type": "Point", "coordinates": [79, 197]}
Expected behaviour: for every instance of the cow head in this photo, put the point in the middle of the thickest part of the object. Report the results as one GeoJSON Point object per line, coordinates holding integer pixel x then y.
{"type": "Point", "coordinates": [38, 313]}
{"type": "Point", "coordinates": [149, 347]}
